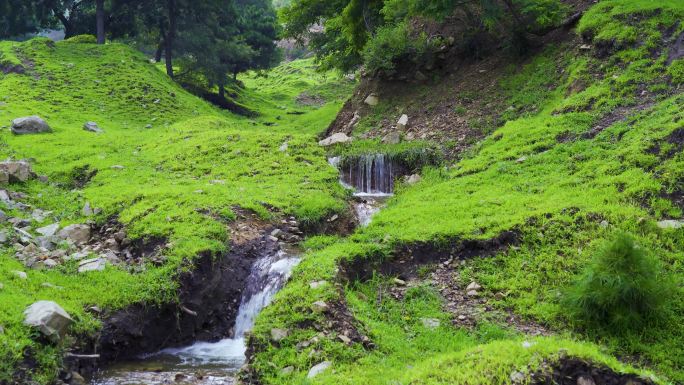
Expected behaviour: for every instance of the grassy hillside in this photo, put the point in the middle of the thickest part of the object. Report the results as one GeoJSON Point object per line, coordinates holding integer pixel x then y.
{"type": "Point", "coordinates": [598, 154]}
{"type": "Point", "coordinates": [168, 165]}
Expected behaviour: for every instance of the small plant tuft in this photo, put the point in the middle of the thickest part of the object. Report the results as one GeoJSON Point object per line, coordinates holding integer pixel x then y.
{"type": "Point", "coordinates": [622, 290]}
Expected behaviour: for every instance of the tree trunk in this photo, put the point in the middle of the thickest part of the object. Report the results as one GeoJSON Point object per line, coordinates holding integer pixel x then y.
{"type": "Point", "coordinates": [159, 51]}
{"type": "Point", "coordinates": [222, 91]}
{"type": "Point", "coordinates": [170, 36]}
{"type": "Point", "coordinates": [68, 27]}
{"type": "Point", "coordinates": [100, 16]}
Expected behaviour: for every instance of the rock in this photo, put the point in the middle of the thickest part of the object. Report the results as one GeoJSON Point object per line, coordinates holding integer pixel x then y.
{"type": "Point", "coordinates": [111, 244]}
{"type": "Point", "coordinates": [392, 138]}
{"type": "Point", "coordinates": [585, 47]}
{"type": "Point", "coordinates": [430, 323]}
{"type": "Point", "coordinates": [4, 236]}
{"type": "Point", "coordinates": [110, 257]}
{"type": "Point", "coordinates": [372, 100]}
{"type": "Point", "coordinates": [671, 224]}
{"type": "Point", "coordinates": [3, 216]}
{"type": "Point", "coordinates": [16, 171]}
{"type": "Point", "coordinates": [20, 274]}
{"type": "Point", "coordinates": [77, 233]}
{"type": "Point", "coordinates": [92, 127]}
{"type": "Point", "coordinates": [403, 122]}
{"type": "Point", "coordinates": [49, 318]}
{"type": "Point", "coordinates": [278, 335]}
{"type": "Point", "coordinates": [77, 379]}
{"type": "Point", "coordinates": [318, 369]}
{"type": "Point", "coordinates": [287, 370]}
{"type": "Point", "coordinates": [87, 211]}
{"type": "Point", "coordinates": [318, 284]}
{"type": "Point", "coordinates": [117, 167]}
{"type": "Point", "coordinates": [94, 264]}
{"type": "Point", "coordinates": [473, 286]}
{"type": "Point", "coordinates": [4, 196]}
{"type": "Point", "coordinates": [521, 159]}
{"type": "Point", "coordinates": [40, 215]}
{"type": "Point", "coordinates": [337, 138]}
{"type": "Point", "coordinates": [420, 76]}
{"type": "Point", "coordinates": [283, 147]}
{"type": "Point", "coordinates": [399, 282]}
{"type": "Point", "coordinates": [585, 380]}
{"type": "Point", "coordinates": [276, 232]}
{"type": "Point", "coordinates": [29, 125]}
{"type": "Point", "coordinates": [19, 222]}
{"type": "Point", "coordinates": [51, 286]}
{"type": "Point", "coordinates": [413, 179]}
{"type": "Point", "coordinates": [48, 230]}
{"type": "Point", "coordinates": [320, 307]}
{"type": "Point", "coordinates": [472, 293]}
{"type": "Point", "coordinates": [346, 340]}
{"type": "Point", "coordinates": [47, 264]}
{"type": "Point", "coordinates": [48, 243]}
{"type": "Point", "coordinates": [604, 223]}
{"type": "Point", "coordinates": [517, 377]}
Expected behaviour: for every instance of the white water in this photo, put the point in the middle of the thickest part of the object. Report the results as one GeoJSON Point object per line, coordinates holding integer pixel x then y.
{"type": "Point", "coordinates": [268, 275]}
{"type": "Point", "coordinates": [217, 360]}
{"type": "Point", "coordinates": [370, 175]}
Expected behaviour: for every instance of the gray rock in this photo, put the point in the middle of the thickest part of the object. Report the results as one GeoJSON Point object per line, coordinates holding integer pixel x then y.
{"type": "Point", "coordinates": [318, 284]}
{"type": "Point", "coordinates": [117, 167]}
{"type": "Point", "coordinates": [473, 286]}
{"type": "Point", "coordinates": [4, 236]}
{"type": "Point", "coordinates": [29, 125]}
{"type": "Point", "coordinates": [3, 216]}
{"type": "Point", "coordinates": [94, 264]}
{"type": "Point", "coordinates": [49, 318]}
{"type": "Point", "coordinates": [20, 274]}
{"type": "Point", "coordinates": [392, 138]}
{"type": "Point", "coordinates": [287, 370]}
{"type": "Point", "coordinates": [372, 100]}
{"type": "Point", "coordinates": [585, 380]}
{"type": "Point", "coordinates": [399, 282]}
{"type": "Point", "coordinates": [46, 264]}
{"type": "Point", "coordinates": [420, 76]}
{"type": "Point", "coordinates": [77, 379]}
{"type": "Point", "coordinates": [20, 222]}
{"type": "Point", "coordinates": [671, 224]}
{"type": "Point", "coordinates": [283, 147]}
{"type": "Point", "coordinates": [403, 122]}
{"type": "Point", "coordinates": [278, 335]}
{"type": "Point", "coordinates": [318, 369]}
{"type": "Point", "coordinates": [472, 293]}
{"type": "Point", "coordinates": [92, 127]}
{"type": "Point", "coordinates": [87, 211]}
{"type": "Point", "coordinates": [16, 171]}
{"type": "Point", "coordinates": [430, 323]}
{"type": "Point", "coordinates": [413, 179]}
{"type": "Point", "coordinates": [517, 377]}
{"type": "Point", "coordinates": [4, 196]}
{"type": "Point", "coordinates": [337, 138]}
{"type": "Point", "coordinates": [48, 243]}
{"type": "Point", "coordinates": [48, 230]}
{"type": "Point", "coordinates": [77, 233]}
{"type": "Point", "coordinates": [320, 307]}
{"type": "Point", "coordinates": [39, 215]}
{"type": "Point", "coordinates": [346, 340]}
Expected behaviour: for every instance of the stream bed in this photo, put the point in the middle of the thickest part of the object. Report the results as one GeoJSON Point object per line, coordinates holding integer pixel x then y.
{"type": "Point", "coordinates": [209, 363]}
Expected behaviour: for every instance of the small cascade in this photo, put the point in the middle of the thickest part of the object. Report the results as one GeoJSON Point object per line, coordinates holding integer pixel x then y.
{"type": "Point", "coordinates": [217, 361]}
{"type": "Point", "coordinates": [369, 175]}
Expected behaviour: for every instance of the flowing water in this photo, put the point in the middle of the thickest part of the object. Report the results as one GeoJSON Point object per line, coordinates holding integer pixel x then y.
{"type": "Point", "coordinates": [209, 363]}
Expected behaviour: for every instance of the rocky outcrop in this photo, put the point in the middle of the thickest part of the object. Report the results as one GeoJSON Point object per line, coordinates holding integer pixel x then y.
{"type": "Point", "coordinates": [49, 318]}
{"type": "Point", "coordinates": [30, 125]}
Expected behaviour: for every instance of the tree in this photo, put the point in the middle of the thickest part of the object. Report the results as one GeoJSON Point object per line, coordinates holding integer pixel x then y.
{"type": "Point", "coordinates": [100, 16]}
{"type": "Point", "coordinates": [18, 17]}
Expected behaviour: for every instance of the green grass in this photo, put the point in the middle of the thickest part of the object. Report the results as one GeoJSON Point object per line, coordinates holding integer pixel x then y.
{"type": "Point", "coordinates": [562, 196]}
{"type": "Point", "coordinates": [181, 158]}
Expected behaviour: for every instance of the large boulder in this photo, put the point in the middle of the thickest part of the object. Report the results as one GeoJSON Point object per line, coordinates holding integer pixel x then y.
{"type": "Point", "coordinates": [15, 171]}
{"type": "Point", "coordinates": [49, 318]}
{"type": "Point", "coordinates": [318, 369]}
{"type": "Point", "coordinates": [78, 233]}
{"type": "Point", "coordinates": [339, 137]}
{"type": "Point", "coordinates": [30, 125]}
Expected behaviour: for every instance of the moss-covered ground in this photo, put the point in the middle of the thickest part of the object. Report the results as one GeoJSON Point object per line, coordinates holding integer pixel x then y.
{"type": "Point", "coordinates": [181, 167]}
{"type": "Point", "coordinates": [597, 154]}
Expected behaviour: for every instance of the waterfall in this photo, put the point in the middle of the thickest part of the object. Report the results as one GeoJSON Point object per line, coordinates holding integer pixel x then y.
{"type": "Point", "coordinates": [268, 275]}
{"type": "Point", "coordinates": [369, 175]}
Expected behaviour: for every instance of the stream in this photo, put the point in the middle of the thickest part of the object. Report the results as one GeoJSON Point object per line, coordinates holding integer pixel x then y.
{"type": "Point", "coordinates": [217, 363]}
{"type": "Point", "coordinates": [209, 363]}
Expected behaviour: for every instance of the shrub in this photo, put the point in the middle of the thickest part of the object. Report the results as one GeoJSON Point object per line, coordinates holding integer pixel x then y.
{"type": "Point", "coordinates": [622, 289]}
{"type": "Point", "coordinates": [82, 39]}
{"type": "Point", "coordinates": [394, 44]}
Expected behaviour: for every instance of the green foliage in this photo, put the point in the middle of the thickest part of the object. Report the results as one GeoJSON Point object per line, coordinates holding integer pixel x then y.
{"type": "Point", "coordinates": [622, 290]}
{"type": "Point", "coordinates": [394, 44]}
{"type": "Point", "coordinates": [82, 39]}
{"type": "Point", "coordinates": [180, 176]}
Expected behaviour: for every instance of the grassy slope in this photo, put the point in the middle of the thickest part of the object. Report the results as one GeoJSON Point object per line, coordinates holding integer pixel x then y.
{"type": "Point", "coordinates": [169, 169]}
{"type": "Point", "coordinates": [555, 192]}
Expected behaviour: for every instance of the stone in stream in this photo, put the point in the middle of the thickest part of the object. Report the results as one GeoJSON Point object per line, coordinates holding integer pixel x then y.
{"type": "Point", "coordinates": [29, 125]}
{"type": "Point", "coordinates": [77, 233]}
{"type": "Point", "coordinates": [92, 127]}
{"type": "Point", "coordinates": [336, 138]}
{"type": "Point", "coordinates": [318, 369]}
{"type": "Point", "coordinates": [49, 318]}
